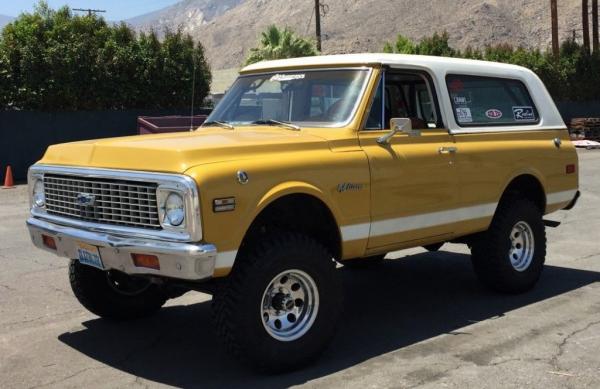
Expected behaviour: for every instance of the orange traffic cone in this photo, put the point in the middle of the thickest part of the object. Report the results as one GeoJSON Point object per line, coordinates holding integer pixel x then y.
{"type": "Point", "coordinates": [8, 179]}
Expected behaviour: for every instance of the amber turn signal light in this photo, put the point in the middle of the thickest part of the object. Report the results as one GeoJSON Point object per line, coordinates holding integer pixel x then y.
{"type": "Point", "coordinates": [145, 260]}
{"type": "Point", "coordinates": [49, 242]}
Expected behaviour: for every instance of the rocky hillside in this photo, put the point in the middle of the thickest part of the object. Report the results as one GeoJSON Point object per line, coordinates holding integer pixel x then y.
{"type": "Point", "coordinates": [229, 28]}
{"type": "Point", "coordinates": [191, 15]}
{"type": "Point", "coordinates": [4, 20]}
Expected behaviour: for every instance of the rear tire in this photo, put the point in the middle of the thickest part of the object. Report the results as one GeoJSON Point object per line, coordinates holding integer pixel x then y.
{"type": "Point", "coordinates": [114, 295]}
{"type": "Point", "coordinates": [279, 308]}
{"type": "Point", "coordinates": [510, 256]}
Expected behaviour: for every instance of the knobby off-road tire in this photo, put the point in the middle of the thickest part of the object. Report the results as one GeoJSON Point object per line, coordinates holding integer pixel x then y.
{"type": "Point", "coordinates": [285, 274]}
{"type": "Point", "coordinates": [510, 256]}
{"type": "Point", "coordinates": [114, 295]}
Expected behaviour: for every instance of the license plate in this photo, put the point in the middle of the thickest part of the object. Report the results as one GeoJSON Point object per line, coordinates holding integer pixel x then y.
{"type": "Point", "coordinates": [89, 255]}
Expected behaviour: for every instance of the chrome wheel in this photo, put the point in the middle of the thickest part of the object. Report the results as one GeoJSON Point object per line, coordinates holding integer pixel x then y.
{"type": "Point", "coordinates": [290, 305]}
{"type": "Point", "coordinates": [522, 246]}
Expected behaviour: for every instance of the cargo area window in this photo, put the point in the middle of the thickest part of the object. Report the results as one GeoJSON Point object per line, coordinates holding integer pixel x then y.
{"type": "Point", "coordinates": [488, 101]}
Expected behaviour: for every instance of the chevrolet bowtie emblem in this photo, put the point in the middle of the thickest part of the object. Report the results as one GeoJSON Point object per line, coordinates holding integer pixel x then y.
{"type": "Point", "coordinates": [85, 199]}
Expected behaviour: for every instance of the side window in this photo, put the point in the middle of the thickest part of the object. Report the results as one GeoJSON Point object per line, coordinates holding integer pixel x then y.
{"type": "Point", "coordinates": [403, 95]}
{"type": "Point", "coordinates": [488, 101]}
{"type": "Point", "coordinates": [375, 119]}
{"type": "Point", "coordinates": [425, 106]}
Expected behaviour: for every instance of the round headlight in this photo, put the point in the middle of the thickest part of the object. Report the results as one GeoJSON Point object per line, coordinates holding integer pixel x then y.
{"type": "Point", "coordinates": [174, 210]}
{"type": "Point", "coordinates": [39, 199]}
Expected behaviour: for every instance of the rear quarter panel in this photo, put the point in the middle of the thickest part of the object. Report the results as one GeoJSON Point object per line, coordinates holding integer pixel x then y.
{"type": "Point", "coordinates": [488, 162]}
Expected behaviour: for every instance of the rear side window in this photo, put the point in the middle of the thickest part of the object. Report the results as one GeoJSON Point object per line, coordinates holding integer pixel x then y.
{"type": "Point", "coordinates": [487, 101]}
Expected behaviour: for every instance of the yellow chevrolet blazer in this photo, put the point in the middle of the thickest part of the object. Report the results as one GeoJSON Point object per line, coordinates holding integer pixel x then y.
{"type": "Point", "coordinates": [304, 164]}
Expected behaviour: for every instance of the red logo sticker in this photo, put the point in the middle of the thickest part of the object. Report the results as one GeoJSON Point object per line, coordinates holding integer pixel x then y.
{"type": "Point", "coordinates": [456, 86]}
{"type": "Point", "coordinates": [493, 113]}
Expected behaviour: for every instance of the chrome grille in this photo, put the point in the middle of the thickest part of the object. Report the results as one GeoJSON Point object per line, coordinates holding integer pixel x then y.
{"type": "Point", "coordinates": [118, 202]}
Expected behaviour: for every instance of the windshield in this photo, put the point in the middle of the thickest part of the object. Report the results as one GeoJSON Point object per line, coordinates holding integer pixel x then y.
{"type": "Point", "coordinates": [307, 98]}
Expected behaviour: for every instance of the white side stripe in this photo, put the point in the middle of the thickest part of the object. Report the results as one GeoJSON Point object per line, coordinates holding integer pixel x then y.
{"type": "Point", "coordinates": [355, 232]}
{"type": "Point", "coordinates": [225, 259]}
{"type": "Point", "coordinates": [415, 222]}
{"type": "Point", "coordinates": [560, 197]}
{"type": "Point", "coordinates": [409, 223]}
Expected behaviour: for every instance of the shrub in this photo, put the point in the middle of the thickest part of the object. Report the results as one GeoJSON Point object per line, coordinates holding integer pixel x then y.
{"type": "Point", "coordinates": [54, 60]}
{"type": "Point", "coordinates": [574, 76]}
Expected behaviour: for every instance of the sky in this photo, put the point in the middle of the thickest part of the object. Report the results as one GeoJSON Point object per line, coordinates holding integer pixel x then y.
{"type": "Point", "coordinates": [115, 9]}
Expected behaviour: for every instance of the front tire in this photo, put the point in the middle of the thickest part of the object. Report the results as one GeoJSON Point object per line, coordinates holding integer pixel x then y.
{"type": "Point", "coordinates": [114, 295]}
{"type": "Point", "coordinates": [279, 308]}
{"type": "Point", "coordinates": [510, 256]}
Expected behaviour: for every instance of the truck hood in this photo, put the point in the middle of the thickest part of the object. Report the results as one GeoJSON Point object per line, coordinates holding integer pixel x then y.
{"type": "Point", "coordinates": [177, 152]}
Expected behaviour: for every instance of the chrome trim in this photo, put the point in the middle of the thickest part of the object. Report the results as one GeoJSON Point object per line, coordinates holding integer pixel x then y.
{"type": "Point", "coordinates": [189, 261]}
{"type": "Point", "coordinates": [192, 232]}
{"type": "Point", "coordinates": [447, 150]}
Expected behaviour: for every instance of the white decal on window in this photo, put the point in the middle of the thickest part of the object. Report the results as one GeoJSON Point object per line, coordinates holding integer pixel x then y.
{"type": "Point", "coordinates": [287, 77]}
{"type": "Point", "coordinates": [464, 115]}
{"type": "Point", "coordinates": [460, 100]}
{"type": "Point", "coordinates": [524, 114]}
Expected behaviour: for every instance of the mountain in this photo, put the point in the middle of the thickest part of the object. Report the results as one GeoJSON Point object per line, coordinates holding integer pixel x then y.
{"type": "Point", "coordinates": [4, 20]}
{"type": "Point", "coordinates": [229, 28]}
{"type": "Point", "coordinates": [188, 14]}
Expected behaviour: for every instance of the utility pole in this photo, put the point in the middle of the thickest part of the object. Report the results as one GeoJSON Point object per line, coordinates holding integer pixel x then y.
{"type": "Point", "coordinates": [585, 16]}
{"type": "Point", "coordinates": [554, 12]}
{"type": "Point", "coordinates": [89, 11]}
{"type": "Point", "coordinates": [595, 39]}
{"type": "Point", "coordinates": [318, 23]}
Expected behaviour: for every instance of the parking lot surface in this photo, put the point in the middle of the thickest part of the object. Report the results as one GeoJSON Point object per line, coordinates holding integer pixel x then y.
{"type": "Point", "coordinates": [419, 320]}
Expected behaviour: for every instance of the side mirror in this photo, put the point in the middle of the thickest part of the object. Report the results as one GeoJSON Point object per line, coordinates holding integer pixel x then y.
{"type": "Point", "coordinates": [403, 125]}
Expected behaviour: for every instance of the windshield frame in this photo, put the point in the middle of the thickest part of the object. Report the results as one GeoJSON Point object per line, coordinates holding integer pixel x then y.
{"type": "Point", "coordinates": [351, 117]}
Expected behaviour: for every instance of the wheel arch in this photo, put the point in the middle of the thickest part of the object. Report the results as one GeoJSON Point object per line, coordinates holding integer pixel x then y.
{"type": "Point", "coordinates": [298, 207]}
{"type": "Point", "coordinates": [529, 185]}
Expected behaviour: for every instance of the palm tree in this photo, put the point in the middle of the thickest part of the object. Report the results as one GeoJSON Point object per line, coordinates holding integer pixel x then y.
{"type": "Point", "coordinates": [276, 43]}
{"type": "Point", "coordinates": [586, 24]}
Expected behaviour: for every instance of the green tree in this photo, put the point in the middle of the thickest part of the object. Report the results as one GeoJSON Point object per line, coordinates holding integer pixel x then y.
{"type": "Point", "coordinates": [54, 60]}
{"type": "Point", "coordinates": [276, 43]}
{"type": "Point", "coordinates": [403, 45]}
{"type": "Point", "coordinates": [575, 76]}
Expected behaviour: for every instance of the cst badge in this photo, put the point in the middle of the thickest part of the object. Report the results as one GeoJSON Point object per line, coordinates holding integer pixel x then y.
{"type": "Point", "coordinates": [346, 186]}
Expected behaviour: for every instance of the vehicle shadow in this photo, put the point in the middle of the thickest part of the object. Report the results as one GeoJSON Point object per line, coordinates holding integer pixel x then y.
{"type": "Point", "coordinates": [388, 307]}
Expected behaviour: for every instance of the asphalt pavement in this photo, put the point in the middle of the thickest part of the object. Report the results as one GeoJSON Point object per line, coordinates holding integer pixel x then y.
{"type": "Point", "coordinates": [419, 320]}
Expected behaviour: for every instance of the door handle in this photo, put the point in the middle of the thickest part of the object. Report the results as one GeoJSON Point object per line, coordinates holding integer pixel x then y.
{"type": "Point", "coordinates": [447, 150]}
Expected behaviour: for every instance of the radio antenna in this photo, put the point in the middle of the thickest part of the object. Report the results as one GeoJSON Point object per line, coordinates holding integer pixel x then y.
{"type": "Point", "coordinates": [193, 93]}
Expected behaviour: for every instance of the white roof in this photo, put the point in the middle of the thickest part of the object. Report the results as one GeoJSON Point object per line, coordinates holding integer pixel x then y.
{"type": "Point", "coordinates": [438, 68]}
{"type": "Point", "coordinates": [381, 59]}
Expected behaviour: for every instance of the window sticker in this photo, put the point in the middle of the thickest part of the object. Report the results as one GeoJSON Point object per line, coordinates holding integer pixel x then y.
{"type": "Point", "coordinates": [461, 100]}
{"type": "Point", "coordinates": [524, 114]}
{"type": "Point", "coordinates": [456, 86]}
{"type": "Point", "coordinates": [493, 113]}
{"type": "Point", "coordinates": [287, 77]}
{"type": "Point", "coordinates": [464, 115]}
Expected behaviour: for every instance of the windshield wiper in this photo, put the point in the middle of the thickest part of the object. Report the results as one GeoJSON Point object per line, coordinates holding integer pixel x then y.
{"type": "Point", "coordinates": [272, 122]}
{"type": "Point", "coordinates": [218, 123]}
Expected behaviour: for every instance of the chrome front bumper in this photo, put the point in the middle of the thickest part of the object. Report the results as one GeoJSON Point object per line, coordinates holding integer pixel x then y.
{"type": "Point", "coordinates": [186, 261]}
